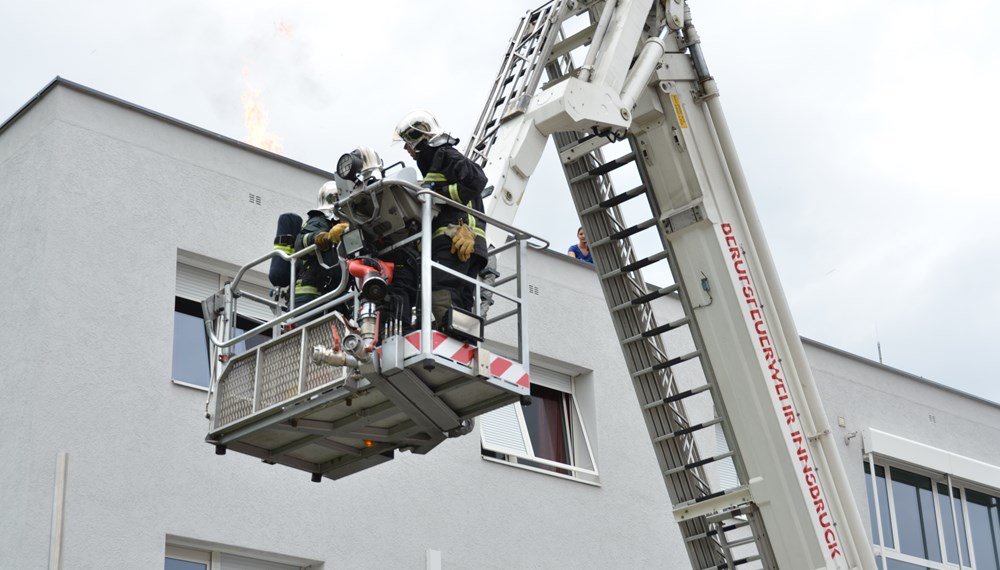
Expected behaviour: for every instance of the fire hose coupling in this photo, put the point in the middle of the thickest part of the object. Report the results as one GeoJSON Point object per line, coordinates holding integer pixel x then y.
{"type": "Point", "coordinates": [330, 357]}
{"type": "Point", "coordinates": [373, 275]}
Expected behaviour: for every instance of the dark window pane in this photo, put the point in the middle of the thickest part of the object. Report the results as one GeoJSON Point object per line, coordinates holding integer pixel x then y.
{"type": "Point", "coordinates": [244, 324]}
{"type": "Point", "coordinates": [546, 422]}
{"type": "Point", "coordinates": [952, 517]}
{"type": "Point", "coordinates": [914, 502]}
{"type": "Point", "coordinates": [174, 564]}
{"type": "Point", "coordinates": [983, 525]}
{"type": "Point", "coordinates": [190, 362]}
{"type": "Point", "coordinates": [883, 501]}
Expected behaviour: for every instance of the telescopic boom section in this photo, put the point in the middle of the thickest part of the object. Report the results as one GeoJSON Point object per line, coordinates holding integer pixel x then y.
{"type": "Point", "coordinates": [590, 74]}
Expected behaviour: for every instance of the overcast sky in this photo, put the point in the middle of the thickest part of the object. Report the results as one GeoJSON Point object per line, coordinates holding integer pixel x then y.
{"type": "Point", "coordinates": [869, 137]}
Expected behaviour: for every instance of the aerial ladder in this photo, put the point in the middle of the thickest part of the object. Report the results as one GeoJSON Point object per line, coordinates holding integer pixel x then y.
{"type": "Point", "coordinates": [599, 76]}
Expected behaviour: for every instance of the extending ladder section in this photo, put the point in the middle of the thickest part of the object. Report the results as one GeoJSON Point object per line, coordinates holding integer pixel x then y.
{"type": "Point", "coordinates": [720, 526]}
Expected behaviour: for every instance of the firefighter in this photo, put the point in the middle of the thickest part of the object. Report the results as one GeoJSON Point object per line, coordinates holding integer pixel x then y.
{"type": "Point", "coordinates": [459, 238]}
{"type": "Point", "coordinates": [321, 228]}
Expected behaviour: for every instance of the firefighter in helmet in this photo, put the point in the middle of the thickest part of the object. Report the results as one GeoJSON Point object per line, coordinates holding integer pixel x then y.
{"type": "Point", "coordinates": [459, 238]}
{"type": "Point", "coordinates": [322, 229]}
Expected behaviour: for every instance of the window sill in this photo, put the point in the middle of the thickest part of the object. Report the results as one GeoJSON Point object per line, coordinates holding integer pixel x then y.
{"type": "Point", "coordinates": [188, 385]}
{"type": "Point", "coordinates": [542, 471]}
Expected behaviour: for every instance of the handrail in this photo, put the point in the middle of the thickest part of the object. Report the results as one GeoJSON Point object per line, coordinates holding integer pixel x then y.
{"type": "Point", "coordinates": [336, 296]}
{"type": "Point", "coordinates": [297, 311]}
{"type": "Point", "coordinates": [419, 191]}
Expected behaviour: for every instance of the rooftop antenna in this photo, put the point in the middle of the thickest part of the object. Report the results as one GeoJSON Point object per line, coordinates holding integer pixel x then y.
{"type": "Point", "coordinates": [878, 344]}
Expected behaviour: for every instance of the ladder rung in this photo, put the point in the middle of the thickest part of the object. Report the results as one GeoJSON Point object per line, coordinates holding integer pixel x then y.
{"type": "Point", "coordinates": [714, 531]}
{"type": "Point", "coordinates": [667, 327]}
{"type": "Point", "coordinates": [699, 463]}
{"type": "Point", "coordinates": [677, 360]}
{"type": "Point", "coordinates": [624, 233]}
{"type": "Point", "coordinates": [643, 299]}
{"type": "Point", "coordinates": [678, 396]}
{"type": "Point", "coordinates": [614, 201]}
{"type": "Point", "coordinates": [687, 430]}
{"type": "Point", "coordinates": [579, 142]}
{"type": "Point", "coordinates": [612, 165]}
{"type": "Point", "coordinates": [644, 262]}
{"type": "Point", "coordinates": [581, 38]}
{"type": "Point", "coordinates": [634, 266]}
{"type": "Point", "coordinates": [737, 562]}
{"type": "Point", "coordinates": [620, 198]}
{"type": "Point", "coordinates": [603, 168]}
{"type": "Point", "coordinates": [658, 330]}
{"type": "Point", "coordinates": [741, 541]}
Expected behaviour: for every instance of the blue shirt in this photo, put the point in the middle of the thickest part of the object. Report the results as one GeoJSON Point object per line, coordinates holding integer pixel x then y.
{"type": "Point", "coordinates": [575, 250]}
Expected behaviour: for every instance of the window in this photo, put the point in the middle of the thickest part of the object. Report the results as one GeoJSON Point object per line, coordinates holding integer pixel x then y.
{"type": "Point", "coordinates": [548, 435]}
{"type": "Point", "coordinates": [190, 355]}
{"type": "Point", "coordinates": [179, 558]}
{"type": "Point", "coordinates": [984, 526]}
{"type": "Point", "coordinates": [929, 521]}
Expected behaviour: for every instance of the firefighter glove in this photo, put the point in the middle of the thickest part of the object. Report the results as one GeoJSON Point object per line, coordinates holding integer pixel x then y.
{"type": "Point", "coordinates": [323, 241]}
{"type": "Point", "coordinates": [337, 231]}
{"type": "Point", "coordinates": [463, 242]}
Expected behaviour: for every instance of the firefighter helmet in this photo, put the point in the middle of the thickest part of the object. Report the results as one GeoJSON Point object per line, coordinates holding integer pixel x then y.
{"type": "Point", "coordinates": [327, 198]}
{"type": "Point", "coordinates": [417, 126]}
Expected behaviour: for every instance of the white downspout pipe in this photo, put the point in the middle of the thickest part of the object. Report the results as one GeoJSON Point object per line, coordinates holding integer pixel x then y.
{"type": "Point", "coordinates": [58, 507]}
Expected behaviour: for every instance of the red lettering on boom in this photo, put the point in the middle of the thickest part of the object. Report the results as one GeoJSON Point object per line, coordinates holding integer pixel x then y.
{"type": "Point", "coordinates": [755, 315]}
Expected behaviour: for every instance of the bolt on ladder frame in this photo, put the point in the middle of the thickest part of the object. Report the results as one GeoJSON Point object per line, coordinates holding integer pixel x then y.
{"type": "Point", "coordinates": [681, 167]}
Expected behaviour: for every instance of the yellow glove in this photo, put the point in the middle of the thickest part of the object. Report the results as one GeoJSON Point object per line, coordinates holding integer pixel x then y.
{"type": "Point", "coordinates": [337, 231]}
{"type": "Point", "coordinates": [323, 241]}
{"type": "Point", "coordinates": [463, 243]}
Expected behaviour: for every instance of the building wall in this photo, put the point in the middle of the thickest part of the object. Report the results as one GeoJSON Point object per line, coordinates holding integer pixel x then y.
{"type": "Point", "coordinates": [98, 199]}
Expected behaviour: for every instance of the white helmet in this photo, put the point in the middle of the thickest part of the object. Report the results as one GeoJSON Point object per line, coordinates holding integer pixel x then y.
{"type": "Point", "coordinates": [327, 198]}
{"type": "Point", "coordinates": [417, 126]}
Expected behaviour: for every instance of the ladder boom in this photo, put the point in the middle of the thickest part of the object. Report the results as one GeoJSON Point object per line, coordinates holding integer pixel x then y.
{"type": "Point", "coordinates": [643, 80]}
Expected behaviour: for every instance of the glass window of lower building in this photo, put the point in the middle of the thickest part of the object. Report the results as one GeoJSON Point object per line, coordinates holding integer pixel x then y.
{"type": "Point", "coordinates": [190, 348]}
{"type": "Point", "coordinates": [929, 521]}
{"type": "Point", "coordinates": [547, 434]}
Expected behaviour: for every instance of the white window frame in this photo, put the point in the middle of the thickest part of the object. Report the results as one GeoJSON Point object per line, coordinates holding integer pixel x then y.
{"type": "Point", "coordinates": [197, 283]}
{"type": "Point", "coordinates": [214, 556]}
{"type": "Point", "coordinates": [505, 432]}
{"type": "Point", "coordinates": [941, 466]}
{"type": "Point", "coordinates": [894, 553]}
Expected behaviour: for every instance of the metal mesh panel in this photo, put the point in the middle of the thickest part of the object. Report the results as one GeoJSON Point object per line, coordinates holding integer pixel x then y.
{"type": "Point", "coordinates": [236, 392]}
{"type": "Point", "coordinates": [320, 374]}
{"type": "Point", "coordinates": [279, 374]}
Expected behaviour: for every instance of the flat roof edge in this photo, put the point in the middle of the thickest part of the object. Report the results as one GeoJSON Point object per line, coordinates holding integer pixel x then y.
{"type": "Point", "coordinates": [63, 82]}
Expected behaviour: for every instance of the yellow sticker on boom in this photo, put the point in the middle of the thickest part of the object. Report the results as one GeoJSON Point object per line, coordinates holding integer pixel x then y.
{"type": "Point", "coordinates": [678, 110]}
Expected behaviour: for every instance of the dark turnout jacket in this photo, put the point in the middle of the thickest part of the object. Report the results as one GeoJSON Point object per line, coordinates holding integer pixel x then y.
{"type": "Point", "coordinates": [451, 174]}
{"type": "Point", "coordinates": [311, 277]}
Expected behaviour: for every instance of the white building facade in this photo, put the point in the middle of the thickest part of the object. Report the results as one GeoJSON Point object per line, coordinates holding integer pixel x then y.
{"type": "Point", "coordinates": [114, 220]}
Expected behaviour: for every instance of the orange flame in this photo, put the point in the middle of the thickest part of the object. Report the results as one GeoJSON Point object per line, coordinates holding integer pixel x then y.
{"type": "Point", "coordinates": [255, 118]}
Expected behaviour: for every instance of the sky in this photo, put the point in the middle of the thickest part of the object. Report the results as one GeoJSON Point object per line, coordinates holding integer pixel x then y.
{"type": "Point", "coordinates": [868, 137]}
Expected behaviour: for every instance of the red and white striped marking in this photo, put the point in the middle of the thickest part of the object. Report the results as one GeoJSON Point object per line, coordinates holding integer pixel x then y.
{"type": "Point", "coordinates": [463, 353]}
